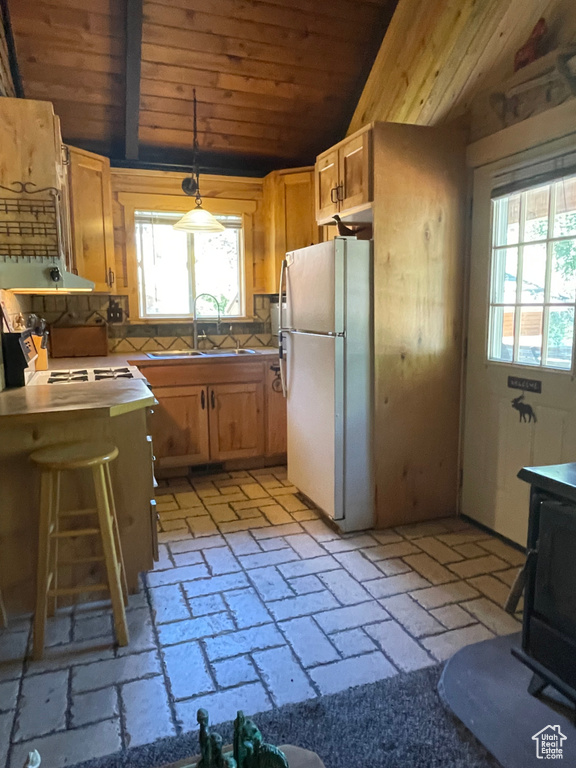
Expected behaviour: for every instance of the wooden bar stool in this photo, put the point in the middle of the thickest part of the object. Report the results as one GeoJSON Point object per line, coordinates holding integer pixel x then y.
{"type": "Point", "coordinates": [52, 461]}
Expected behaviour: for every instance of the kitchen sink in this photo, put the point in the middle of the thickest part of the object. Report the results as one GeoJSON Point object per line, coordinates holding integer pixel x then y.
{"type": "Point", "coordinates": [209, 352]}
{"type": "Point", "coordinates": [176, 353]}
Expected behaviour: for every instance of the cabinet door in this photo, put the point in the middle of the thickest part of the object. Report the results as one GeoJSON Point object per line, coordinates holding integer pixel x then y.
{"type": "Point", "coordinates": [326, 177]}
{"type": "Point", "coordinates": [236, 421]}
{"type": "Point", "coordinates": [354, 164]}
{"type": "Point", "coordinates": [180, 426]}
{"type": "Point", "coordinates": [91, 216]}
{"type": "Point", "coordinates": [275, 413]}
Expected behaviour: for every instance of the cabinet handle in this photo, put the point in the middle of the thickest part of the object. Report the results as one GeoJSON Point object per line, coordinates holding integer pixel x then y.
{"type": "Point", "coordinates": [111, 277]}
{"type": "Point", "coordinates": [65, 155]}
{"type": "Point", "coordinates": [340, 191]}
{"type": "Point", "coordinates": [203, 400]}
{"type": "Point", "coordinates": [334, 195]}
{"type": "Point", "coordinates": [212, 399]}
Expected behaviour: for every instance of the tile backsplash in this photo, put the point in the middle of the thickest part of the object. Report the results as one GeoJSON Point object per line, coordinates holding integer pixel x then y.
{"type": "Point", "coordinates": [128, 336]}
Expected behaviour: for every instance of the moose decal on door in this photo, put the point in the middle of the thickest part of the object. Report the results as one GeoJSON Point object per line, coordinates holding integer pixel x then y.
{"type": "Point", "coordinates": [524, 409]}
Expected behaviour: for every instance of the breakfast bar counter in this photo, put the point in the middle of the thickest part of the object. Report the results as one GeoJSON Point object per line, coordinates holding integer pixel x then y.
{"type": "Point", "coordinates": [36, 416]}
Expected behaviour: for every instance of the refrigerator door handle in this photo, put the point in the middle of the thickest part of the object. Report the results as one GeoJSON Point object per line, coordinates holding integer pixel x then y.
{"type": "Point", "coordinates": [281, 330]}
{"type": "Point", "coordinates": [328, 334]}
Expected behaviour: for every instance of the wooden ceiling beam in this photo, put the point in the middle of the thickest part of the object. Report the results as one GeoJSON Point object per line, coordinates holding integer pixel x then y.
{"type": "Point", "coordinates": [133, 74]}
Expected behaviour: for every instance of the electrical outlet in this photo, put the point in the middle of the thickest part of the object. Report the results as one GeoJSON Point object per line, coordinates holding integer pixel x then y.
{"type": "Point", "coordinates": [115, 313]}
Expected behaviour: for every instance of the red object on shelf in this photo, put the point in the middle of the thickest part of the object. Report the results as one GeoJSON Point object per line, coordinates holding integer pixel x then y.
{"type": "Point", "coordinates": [532, 49]}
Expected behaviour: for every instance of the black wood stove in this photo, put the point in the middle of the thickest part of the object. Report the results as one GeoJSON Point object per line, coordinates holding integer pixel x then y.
{"type": "Point", "coordinates": [549, 628]}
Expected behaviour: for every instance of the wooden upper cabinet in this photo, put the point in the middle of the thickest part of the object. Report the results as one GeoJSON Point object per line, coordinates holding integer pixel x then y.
{"type": "Point", "coordinates": [354, 164]}
{"type": "Point", "coordinates": [327, 178]}
{"type": "Point", "coordinates": [30, 143]}
{"type": "Point", "coordinates": [236, 421]}
{"type": "Point", "coordinates": [180, 426]}
{"type": "Point", "coordinates": [91, 218]}
{"type": "Point", "coordinates": [290, 221]}
{"type": "Point", "coordinates": [343, 177]}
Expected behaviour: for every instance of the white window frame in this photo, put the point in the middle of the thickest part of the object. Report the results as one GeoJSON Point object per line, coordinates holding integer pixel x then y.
{"type": "Point", "coordinates": [191, 271]}
{"type": "Point", "coordinates": [131, 202]}
{"type": "Point", "coordinates": [546, 305]}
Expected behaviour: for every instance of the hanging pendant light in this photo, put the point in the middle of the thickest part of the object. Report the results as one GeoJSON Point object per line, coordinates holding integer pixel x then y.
{"type": "Point", "coordinates": [198, 219]}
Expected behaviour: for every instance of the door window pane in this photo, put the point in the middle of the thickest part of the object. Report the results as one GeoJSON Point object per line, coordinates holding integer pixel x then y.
{"type": "Point", "coordinates": [502, 333]}
{"type": "Point", "coordinates": [505, 275]}
{"type": "Point", "coordinates": [536, 203]}
{"type": "Point", "coordinates": [530, 343]}
{"type": "Point", "coordinates": [560, 338]}
{"type": "Point", "coordinates": [533, 273]}
{"type": "Point", "coordinates": [563, 275]}
{"type": "Point", "coordinates": [507, 220]}
{"type": "Point", "coordinates": [565, 218]}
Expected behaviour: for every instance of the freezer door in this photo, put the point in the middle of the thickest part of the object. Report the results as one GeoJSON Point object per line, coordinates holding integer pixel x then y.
{"type": "Point", "coordinates": [315, 288]}
{"type": "Point", "coordinates": [315, 445]}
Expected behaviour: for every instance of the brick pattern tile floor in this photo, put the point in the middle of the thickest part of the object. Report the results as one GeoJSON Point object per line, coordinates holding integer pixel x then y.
{"type": "Point", "coordinates": [256, 602]}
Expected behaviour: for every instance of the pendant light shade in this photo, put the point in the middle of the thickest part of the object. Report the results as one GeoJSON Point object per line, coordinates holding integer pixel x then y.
{"type": "Point", "coordinates": [196, 220]}
{"type": "Point", "coordinates": [199, 220]}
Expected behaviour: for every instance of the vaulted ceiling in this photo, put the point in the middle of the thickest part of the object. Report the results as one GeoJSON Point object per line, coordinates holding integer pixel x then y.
{"type": "Point", "coordinates": [277, 81]}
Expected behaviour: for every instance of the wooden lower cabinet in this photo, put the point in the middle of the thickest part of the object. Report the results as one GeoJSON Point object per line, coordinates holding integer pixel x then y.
{"type": "Point", "coordinates": [275, 412]}
{"type": "Point", "coordinates": [180, 426]}
{"type": "Point", "coordinates": [227, 412]}
{"type": "Point", "coordinates": [236, 421]}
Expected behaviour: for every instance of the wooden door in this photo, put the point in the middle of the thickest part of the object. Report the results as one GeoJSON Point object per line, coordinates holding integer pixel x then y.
{"type": "Point", "coordinates": [275, 412]}
{"type": "Point", "coordinates": [354, 164]}
{"type": "Point", "coordinates": [326, 185]}
{"type": "Point", "coordinates": [180, 426]}
{"type": "Point", "coordinates": [520, 398]}
{"type": "Point", "coordinates": [236, 421]}
{"type": "Point", "coordinates": [91, 217]}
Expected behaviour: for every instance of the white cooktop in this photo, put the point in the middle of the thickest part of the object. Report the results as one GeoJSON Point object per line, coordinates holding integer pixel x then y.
{"type": "Point", "coordinates": [77, 375]}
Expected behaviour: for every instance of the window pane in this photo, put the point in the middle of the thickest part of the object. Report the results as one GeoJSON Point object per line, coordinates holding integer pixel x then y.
{"type": "Point", "coordinates": [502, 333]}
{"type": "Point", "coordinates": [562, 278]}
{"type": "Point", "coordinates": [565, 219]}
{"type": "Point", "coordinates": [507, 220]}
{"type": "Point", "coordinates": [536, 202]}
{"type": "Point", "coordinates": [163, 265]}
{"type": "Point", "coordinates": [533, 273]}
{"type": "Point", "coordinates": [504, 275]}
{"type": "Point", "coordinates": [217, 268]}
{"type": "Point", "coordinates": [530, 347]}
{"type": "Point", "coordinates": [560, 338]}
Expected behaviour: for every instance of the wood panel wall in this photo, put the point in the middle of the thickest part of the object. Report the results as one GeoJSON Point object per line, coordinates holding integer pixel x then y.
{"type": "Point", "coordinates": [163, 183]}
{"type": "Point", "coordinates": [436, 57]}
{"type": "Point", "coordinates": [419, 247]}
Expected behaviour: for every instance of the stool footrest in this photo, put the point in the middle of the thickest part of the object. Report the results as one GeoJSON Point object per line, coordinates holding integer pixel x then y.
{"type": "Point", "coordinates": [78, 590]}
{"type": "Point", "coordinates": [74, 533]}
{"type": "Point", "coordinates": [78, 512]}
{"type": "Point", "coordinates": [81, 560]}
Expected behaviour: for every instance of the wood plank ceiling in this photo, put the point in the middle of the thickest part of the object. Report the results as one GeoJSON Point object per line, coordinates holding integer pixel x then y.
{"type": "Point", "coordinates": [277, 81]}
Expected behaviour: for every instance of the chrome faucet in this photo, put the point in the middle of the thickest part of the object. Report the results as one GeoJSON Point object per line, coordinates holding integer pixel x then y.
{"type": "Point", "coordinates": [195, 320]}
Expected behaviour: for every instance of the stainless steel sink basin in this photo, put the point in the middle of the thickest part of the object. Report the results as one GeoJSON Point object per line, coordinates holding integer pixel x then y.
{"type": "Point", "coordinates": [176, 353]}
{"type": "Point", "coordinates": [209, 352]}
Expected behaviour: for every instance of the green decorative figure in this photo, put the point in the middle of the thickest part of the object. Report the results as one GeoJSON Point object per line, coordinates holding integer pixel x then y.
{"type": "Point", "coordinates": [249, 749]}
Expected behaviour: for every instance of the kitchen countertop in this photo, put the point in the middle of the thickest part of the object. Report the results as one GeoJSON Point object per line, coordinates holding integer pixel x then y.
{"type": "Point", "coordinates": [106, 398]}
{"type": "Point", "coordinates": [140, 358]}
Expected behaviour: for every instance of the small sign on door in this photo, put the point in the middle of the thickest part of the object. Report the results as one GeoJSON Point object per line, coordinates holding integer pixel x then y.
{"type": "Point", "coordinates": [526, 385]}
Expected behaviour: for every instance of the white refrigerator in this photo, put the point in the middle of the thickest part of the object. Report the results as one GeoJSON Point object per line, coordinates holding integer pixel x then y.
{"type": "Point", "coordinates": [326, 365]}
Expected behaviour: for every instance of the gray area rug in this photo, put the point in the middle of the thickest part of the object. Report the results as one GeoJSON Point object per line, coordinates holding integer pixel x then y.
{"type": "Point", "coordinates": [395, 723]}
